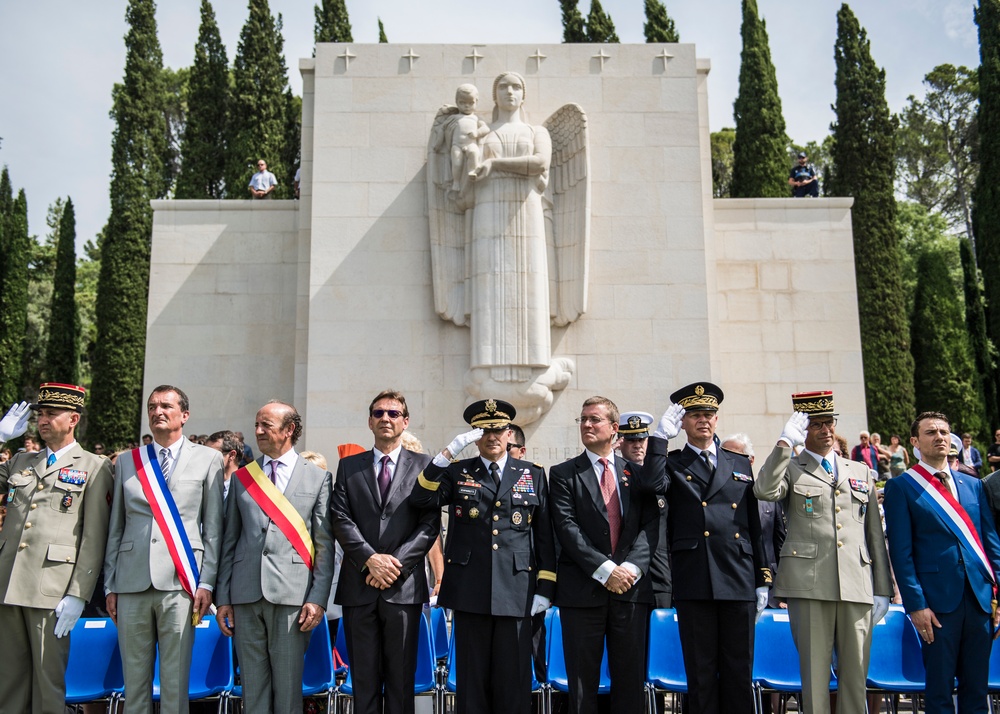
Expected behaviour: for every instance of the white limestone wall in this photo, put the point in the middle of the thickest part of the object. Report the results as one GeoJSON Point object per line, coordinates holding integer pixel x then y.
{"type": "Point", "coordinates": [788, 316]}
{"type": "Point", "coordinates": [222, 307]}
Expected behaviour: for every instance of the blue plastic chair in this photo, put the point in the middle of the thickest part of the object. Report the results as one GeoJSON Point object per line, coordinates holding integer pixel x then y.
{"type": "Point", "coordinates": [341, 647]}
{"type": "Point", "coordinates": [425, 675]}
{"type": "Point", "coordinates": [776, 658]}
{"type": "Point", "coordinates": [439, 631]}
{"type": "Point", "coordinates": [558, 678]}
{"type": "Point", "coordinates": [665, 665]}
{"type": "Point", "coordinates": [94, 670]}
{"type": "Point", "coordinates": [896, 664]}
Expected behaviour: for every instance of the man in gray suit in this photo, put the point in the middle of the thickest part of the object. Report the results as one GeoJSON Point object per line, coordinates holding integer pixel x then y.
{"type": "Point", "coordinates": [145, 594]}
{"type": "Point", "coordinates": [274, 580]}
{"type": "Point", "coordinates": [834, 565]}
{"type": "Point", "coordinates": [385, 539]}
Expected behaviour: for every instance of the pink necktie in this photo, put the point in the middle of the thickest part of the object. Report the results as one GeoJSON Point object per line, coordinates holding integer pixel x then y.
{"type": "Point", "coordinates": [274, 472]}
{"type": "Point", "coordinates": [612, 503]}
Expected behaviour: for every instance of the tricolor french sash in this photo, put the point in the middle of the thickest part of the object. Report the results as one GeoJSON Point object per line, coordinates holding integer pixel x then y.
{"type": "Point", "coordinates": [168, 519]}
{"type": "Point", "coordinates": [946, 506]}
{"type": "Point", "coordinates": [278, 509]}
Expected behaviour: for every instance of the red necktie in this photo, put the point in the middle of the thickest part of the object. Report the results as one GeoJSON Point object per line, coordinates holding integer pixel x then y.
{"type": "Point", "coordinates": [612, 503]}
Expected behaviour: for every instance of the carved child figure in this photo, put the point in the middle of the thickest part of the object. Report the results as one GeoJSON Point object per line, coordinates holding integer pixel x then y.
{"type": "Point", "coordinates": [466, 131]}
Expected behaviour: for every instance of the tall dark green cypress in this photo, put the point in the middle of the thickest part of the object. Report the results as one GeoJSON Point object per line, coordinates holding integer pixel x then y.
{"type": "Point", "coordinates": [292, 147]}
{"type": "Point", "coordinates": [983, 350]}
{"type": "Point", "coordinates": [203, 145]}
{"type": "Point", "coordinates": [137, 150]}
{"type": "Point", "coordinates": [574, 29]}
{"type": "Point", "coordinates": [258, 108]}
{"type": "Point", "coordinates": [16, 245]}
{"type": "Point", "coordinates": [946, 382]}
{"type": "Point", "coordinates": [62, 358]}
{"type": "Point", "coordinates": [760, 154]}
{"type": "Point", "coordinates": [332, 22]}
{"type": "Point", "coordinates": [864, 167]}
{"type": "Point", "coordinates": [600, 28]}
{"type": "Point", "coordinates": [659, 26]}
{"type": "Point", "coordinates": [381, 32]}
{"type": "Point", "coordinates": [986, 198]}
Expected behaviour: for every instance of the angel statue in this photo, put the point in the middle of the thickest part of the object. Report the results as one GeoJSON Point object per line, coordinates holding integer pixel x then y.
{"type": "Point", "coordinates": [509, 242]}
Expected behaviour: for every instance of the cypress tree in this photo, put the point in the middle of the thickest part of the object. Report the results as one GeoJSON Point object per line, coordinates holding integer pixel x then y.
{"type": "Point", "coordinates": [332, 22]}
{"type": "Point", "coordinates": [381, 32]}
{"type": "Point", "coordinates": [863, 167]}
{"type": "Point", "coordinates": [293, 137]}
{"type": "Point", "coordinates": [203, 145]}
{"type": "Point", "coordinates": [983, 351]}
{"type": "Point", "coordinates": [258, 109]}
{"type": "Point", "coordinates": [573, 26]}
{"type": "Point", "coordinates": [14, 294]}
{"type": "Point", "coordinates": [659, 26]}
{"type": "Point", "coordinates": [137, 150]}
{"type": "Point", "coordinates": [62, 362]}
{"type": "Point", "coordinates": [760, 159]}
{"type": "Point", "coordinates": [600, 28]}
{"type": "Point", "coordinates": [986, 197]}
{"type": "Point", "coordinates": [944, 383]}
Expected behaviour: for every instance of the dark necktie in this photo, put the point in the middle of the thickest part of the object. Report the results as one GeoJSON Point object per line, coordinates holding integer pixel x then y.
{"type": "Point", "coordinates": [944, 477]}
{"type": "Point", "coordinates": [383, 479]}
{"type": "Point", "coordinates": [495, 473]}
{"type": "Point", "coordinates": [708, 462]}
{"type": "Point", "coordinates": [611, 502]}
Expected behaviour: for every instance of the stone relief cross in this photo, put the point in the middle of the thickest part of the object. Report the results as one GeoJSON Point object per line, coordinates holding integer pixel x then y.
{"type": "Point", "coordinates": [601, 56]}
{"type": "Point", "coordinates": [538, 57]}
{"type": "Point", "coordinates": [347, 56]}
{"type": "Point", "coordinates": [475, 57]}
{"type": "Point", "coordinates": [411, 56]}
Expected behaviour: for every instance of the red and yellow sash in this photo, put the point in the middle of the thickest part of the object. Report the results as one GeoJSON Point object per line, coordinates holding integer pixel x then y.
{"type": "Point", "coordinates": [278, 509]}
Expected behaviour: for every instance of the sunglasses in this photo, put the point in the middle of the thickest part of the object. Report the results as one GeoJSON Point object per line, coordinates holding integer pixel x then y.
{"type": "Point", "coordinates": [514, 446]}
{"type": "Point", "coordinates": [391, 413]}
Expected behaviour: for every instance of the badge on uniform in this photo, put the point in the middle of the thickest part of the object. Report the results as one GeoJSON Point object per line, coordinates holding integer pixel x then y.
{"type": "Point", "coordinates": [859, 485]}
{"type": "Point", "coordinates": [809, 504]}
{"type": "Point", "coordinates": [516, 518]}
{"type": "Point", "coordinates": [10, 494]}
{"type": "Point", "coordinates": [742, 477]}
{"type": "Point", "coordinates": [67, 500]}
{"type": "Point", "coordinates": [458, 511]}
{"type": "Point", "coordinates": [72, 476]}
{"type": "Point", "coordinates": [525, 484]}
{"type": "Point", "coordinates": [473, 512]}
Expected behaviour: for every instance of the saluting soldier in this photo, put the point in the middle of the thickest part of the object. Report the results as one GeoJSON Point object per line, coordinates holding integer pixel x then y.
{"type": "Point", "coordinates": [51, 547]}
{"type": "Point", "coordinates": [715, 541]}
{"type": "Point", "coordinates": [499, 562]}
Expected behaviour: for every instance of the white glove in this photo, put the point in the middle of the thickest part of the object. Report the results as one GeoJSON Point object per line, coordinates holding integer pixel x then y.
{"type": "Point", "coordinates": [794, 432]}
{"type": "Point", "coordinates": [539, 603]}
{"type": "Point", "coordinates": [463, 440]}
{"type": "Point", "coordinates": [879, 609]}
{"type": "Point", "coordinates": [15, 422]}
{"type": "Point", "coordinates": [68, 611]}
{"type": "Point", "coordinates": [670, 422]}
{"type": "Point", "coordinates": [761, 592]}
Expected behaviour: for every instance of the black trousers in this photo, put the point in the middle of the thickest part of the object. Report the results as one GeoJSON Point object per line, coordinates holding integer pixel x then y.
{"type": "Point", "coordinates": [492, 664]}
{"type": "Point", "coordinates": [717, 642]}
{"type": "Point", "coordinates": [382, 648]}
{"type": "Point", "coordinates": [584, 630]}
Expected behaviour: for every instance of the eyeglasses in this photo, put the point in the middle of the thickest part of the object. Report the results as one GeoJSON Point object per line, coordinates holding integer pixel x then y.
{"type": "Point", "coordinates": [821, 425]}
{"type": "Point", "coordinates": [262, 164]}
{"type": "Point", "coordinates": [514, 446]}
{"type": "Point", "coordinates": [595, 420]}
{"type": "Point", "coordinates": [391, 413]}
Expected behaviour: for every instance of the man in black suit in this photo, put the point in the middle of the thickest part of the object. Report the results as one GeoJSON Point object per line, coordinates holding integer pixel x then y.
{"type": "Point", "coordinates": [499, 561]}
{"type": "Point", "coordinates": [382, 581]}
{"type": "Point", "coordinates": [715, 541]}
{"type": "Point", "coordinates": [605, 527]}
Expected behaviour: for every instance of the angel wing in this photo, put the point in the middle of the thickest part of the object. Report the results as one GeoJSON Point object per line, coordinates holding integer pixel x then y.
{"type": "Point", "coordinates": [567, 222]}
{"type": "Point", "coordinates": [447, 221]}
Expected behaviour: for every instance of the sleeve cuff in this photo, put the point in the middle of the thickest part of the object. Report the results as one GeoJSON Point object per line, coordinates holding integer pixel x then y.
{"type": "Point", "coordinates": [634, 569]}
{"type": "Point", "coordinates": [602, 574]}
{"type": "Point", "coordinates": [426, 483]}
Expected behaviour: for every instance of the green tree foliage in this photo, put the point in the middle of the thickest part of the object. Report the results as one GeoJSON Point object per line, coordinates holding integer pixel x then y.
{"type": "Point", "coordinates": [863, 167]}
{"type": "Point", "coordinates": [138, 146]}
{"type": "Point", "coordinates": [258, 109]}
{"type": "Point", "coordinates": [175, 101]}
{"type": "Point", "coordinates": [381, 32]}
{"type": "Point", "coordinates": [722, 162]}
{"type": "Point", "coordinates": [41, 280]}
{"type": "Point", "coordinates": [16, 248]}
{"type": "Point", "coordinates": [88, 272]}
{"type": "Point", "coordinates": [983, 350]}
{"type": "Point", "coordinates": [292, 149]}
{"type": "Point", "coordinates": [760, 165]}
{"type": "Point", "coordinates": [332, 22]}
{"type": "Point", "coordinates": [986, 197]}
{"type": "Point", "coordinates": [600, 28]}
{"type": "Point", "coordinates": [943, 374]}
{"type": "Point", "coordinates": [574, 29]}
{"type": "Point", "coordinates": [659, 26]}
{"type": "Point", "coordinates": [203, 144]}
{"type": "Point", "coordinates": [62, 362]}
{"type": "Point", "coordinates": [937, 143]}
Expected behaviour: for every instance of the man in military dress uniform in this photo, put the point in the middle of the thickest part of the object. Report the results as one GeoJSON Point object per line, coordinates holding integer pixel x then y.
{"type": "Point", "coordinates": [832, 516]}
{"type": "Point", "coordinates": [499, 562]}
{"type": "Point", "coordinates": [715, 540]}
{"type": "Point", "coordinates": [51, 548]}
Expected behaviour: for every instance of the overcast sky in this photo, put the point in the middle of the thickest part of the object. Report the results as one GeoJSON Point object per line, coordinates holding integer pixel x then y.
{"type": "Point", "coordinates": [62, 58]}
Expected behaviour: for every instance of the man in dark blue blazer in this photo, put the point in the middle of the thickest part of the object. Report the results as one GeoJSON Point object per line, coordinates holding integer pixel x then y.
{"type": "Point", "coordinates": [946, 578]}
{"type": "Point", "coordinates": [605, 526]}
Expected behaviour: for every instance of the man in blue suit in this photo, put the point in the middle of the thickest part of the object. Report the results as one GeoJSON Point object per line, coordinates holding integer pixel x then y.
{"type": "Point", "coordinates": [945, 554]}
